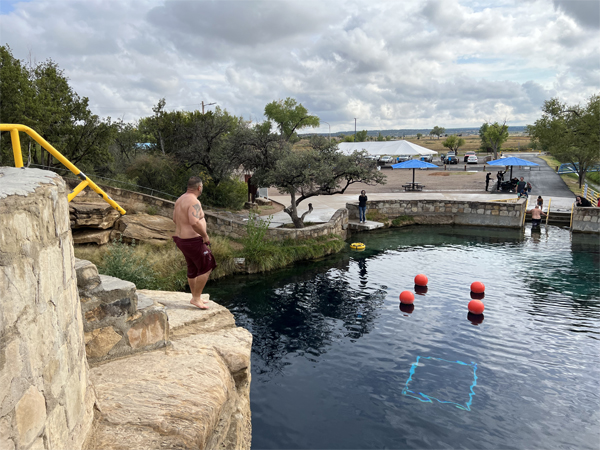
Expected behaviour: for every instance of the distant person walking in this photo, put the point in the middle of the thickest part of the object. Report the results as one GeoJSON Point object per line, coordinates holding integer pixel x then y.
{"type": "Point", "coordinates": [362, 207]}
{"type": "Point", "coordinates": [500, 177]}
{"type": "Point", "coordinates": [540, 201]}
{"type": "Point", "coordinates": [488, 177]}
{"type": "Point", "coordinates": [192, 239]}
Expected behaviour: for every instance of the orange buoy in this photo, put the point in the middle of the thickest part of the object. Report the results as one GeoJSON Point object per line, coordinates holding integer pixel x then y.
{"type": "Point", "coordinates": [421, 280]}
{"type": "Point", "coordinates": [476, 306]}
{"type": "Point", "coordinates": [478, 287]}
{"type": "Point", "coordinates": [407, 297]}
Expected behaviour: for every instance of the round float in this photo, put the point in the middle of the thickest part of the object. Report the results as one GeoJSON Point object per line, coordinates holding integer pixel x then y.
{"type": "Point", "coordinates": [478, 287]}
{"type": "Point", "coordinates": [476, 306]}
{"type": "Point", "coordinates": [407, 297]}
{"type": "Point", "coordinates": [421, 280]}
{"type": "Point", "coordinates": [357, 246]}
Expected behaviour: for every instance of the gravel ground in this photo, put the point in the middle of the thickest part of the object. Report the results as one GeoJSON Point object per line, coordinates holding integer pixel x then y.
{"type": "Point", "coordinates": [434, 181]}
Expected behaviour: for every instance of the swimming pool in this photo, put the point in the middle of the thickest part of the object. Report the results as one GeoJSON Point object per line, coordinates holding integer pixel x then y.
{"type": "Point", "coordinates": [337, 364]}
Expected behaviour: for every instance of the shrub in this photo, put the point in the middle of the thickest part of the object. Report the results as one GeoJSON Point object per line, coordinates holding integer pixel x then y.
{"type": "Point", "coordinates": [229, 194]}
{"type": "Point", "coordinates": [120, 261]}
{"type": "Point", "coordinates": [159, 172]}
{"type": "Point", "coordinates": [256, 246]}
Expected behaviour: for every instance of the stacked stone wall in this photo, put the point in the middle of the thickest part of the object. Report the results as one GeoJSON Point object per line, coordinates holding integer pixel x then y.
{"type": "Point", "coordinates": [457, 212]}
{"type": "Point", "coordinates": [46, 399]}
{"type": "Point", "coordinates": [217, 224]}
{"type": "Point", "coordinates": [586, 220]}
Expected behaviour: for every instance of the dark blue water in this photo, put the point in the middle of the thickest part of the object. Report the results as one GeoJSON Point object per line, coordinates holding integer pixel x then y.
{"type": "Point", "coordinates": [337, 364]}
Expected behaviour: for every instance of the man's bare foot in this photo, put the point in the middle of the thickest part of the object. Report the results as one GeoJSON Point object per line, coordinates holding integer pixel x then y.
{"type": "Point", "coordinates": [198, 303]}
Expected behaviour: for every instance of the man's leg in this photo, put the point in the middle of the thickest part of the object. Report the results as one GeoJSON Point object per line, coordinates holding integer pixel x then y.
{"type": "Point", "coordinates": [197, 286]}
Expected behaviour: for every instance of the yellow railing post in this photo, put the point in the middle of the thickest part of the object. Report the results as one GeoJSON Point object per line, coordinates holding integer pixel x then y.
{"type": "Point", "coordinates": [85, 181]}
{"type": "Point", "coordinates": [571, 223]}
{"type": "Point", "coordinates": [16, 146]}
{"type": "Point", "coordinates": [525, 212]}
{"type": "Point", "coordinates": [548, 213]}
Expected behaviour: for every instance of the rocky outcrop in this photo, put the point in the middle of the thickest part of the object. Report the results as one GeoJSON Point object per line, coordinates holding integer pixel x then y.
{"type": "Point", "coordinates": [193, 394]}
{"type": "Point", "coordinates": [116, 320]}
{"type": "Point", "coordinates": [98, 215]}
{"type": "Point", "coordinates": [46, 398]}
{"type": "Point", "coordinates": [143, 227]}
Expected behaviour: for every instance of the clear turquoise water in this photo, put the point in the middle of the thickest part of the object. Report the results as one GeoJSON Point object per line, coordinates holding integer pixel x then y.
{"type": "Point", "coordinates": [337, 364]}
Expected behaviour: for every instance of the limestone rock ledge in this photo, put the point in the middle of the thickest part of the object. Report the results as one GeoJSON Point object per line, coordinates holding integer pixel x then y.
{"type": "Point", "coordinates": [193, 394]}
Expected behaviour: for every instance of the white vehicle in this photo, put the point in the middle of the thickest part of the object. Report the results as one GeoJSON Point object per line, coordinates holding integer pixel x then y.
{"type": "Point", "coordinates": [403, 158]}
{"type": "Point", "coordinates": [472, 159]}
{"type": "Point", "coordinates": [386, 159]}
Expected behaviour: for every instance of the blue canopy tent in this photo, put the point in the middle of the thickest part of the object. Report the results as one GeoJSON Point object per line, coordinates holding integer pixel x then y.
{"type": "Point", "coordinates": [413, 164]}
{"type": "Point", "coordinates": [511, 161]}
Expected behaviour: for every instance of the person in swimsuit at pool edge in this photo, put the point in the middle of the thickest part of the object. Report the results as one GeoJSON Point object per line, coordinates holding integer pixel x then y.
{"type": "Point", "coordinates": [536, 216]}
{"type": "Point", "coordinates": [192, 239]}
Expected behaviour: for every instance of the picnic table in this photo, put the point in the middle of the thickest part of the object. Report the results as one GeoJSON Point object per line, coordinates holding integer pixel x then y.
{"type": "Point", "coordinates": [413, 187]}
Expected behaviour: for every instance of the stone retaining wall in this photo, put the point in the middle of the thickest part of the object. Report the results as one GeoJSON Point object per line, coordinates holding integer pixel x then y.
{"type": "Point", "coordinates": [495, 214]}
{"type": "Point", "coordinates": [217, 224]}
{"type": "Point", "coordinates": [46, 399]}
{"type": "Point", "coordinates": [586, 220]}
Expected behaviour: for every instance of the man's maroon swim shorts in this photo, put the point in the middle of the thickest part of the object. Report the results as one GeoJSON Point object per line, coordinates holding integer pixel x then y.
{"type": "Point", "coordinates": [198, 256]}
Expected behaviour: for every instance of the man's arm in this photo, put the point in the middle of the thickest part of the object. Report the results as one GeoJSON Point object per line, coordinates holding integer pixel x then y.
{"type": "Point", "coordinates": [197, 220]}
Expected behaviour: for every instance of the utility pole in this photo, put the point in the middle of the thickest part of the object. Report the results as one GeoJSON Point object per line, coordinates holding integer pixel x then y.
{"type": "Point", "coordinates": [355, 129]}
{"type": "Point", "coordinates": [208, 104]}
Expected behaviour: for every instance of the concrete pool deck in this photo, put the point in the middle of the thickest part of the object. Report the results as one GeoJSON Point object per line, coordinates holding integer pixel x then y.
{"type": "Point", "coordinates": [324, 206]}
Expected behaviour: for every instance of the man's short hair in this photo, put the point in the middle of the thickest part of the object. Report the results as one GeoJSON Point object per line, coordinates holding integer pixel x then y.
{"type": "Point", "coordinates": [194, 182]}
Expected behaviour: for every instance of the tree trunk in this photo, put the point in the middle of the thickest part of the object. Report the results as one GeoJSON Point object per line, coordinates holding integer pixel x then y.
{"type": "Point", "coordinates": [292, 210]}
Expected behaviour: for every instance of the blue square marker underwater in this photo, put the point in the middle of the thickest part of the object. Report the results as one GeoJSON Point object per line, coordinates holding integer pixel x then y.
{"type": "Point", "coordinates": [449, 382]}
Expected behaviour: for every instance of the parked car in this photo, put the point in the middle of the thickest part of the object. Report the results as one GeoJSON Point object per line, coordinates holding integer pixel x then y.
{"type": "Point", "coordinates": [403, 158]}
{"type": "Point", "coordinates": [469, 154]}
{"type": "Point", "coordinates": [427, 158]}
{"type": "Point", "coordinates": [386, 159]}
{"type": "Point", "coordinates": [472, 159]}
{"type": "Point", "coordinates": [451, 158]}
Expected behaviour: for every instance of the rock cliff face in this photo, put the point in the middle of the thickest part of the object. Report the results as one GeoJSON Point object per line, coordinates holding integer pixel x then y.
{"type": "Point", "coordinates": [193, 392]}
{"type": "Point", "coordinates": [46, 399]}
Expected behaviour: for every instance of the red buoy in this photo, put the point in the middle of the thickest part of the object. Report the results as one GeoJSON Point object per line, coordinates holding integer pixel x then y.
{"type": "Point", "coordinates": [478, 287]}
{"type": "Point", "coordinates": [407, 297]}
{"type": "Point", "coordinates": [421, 280]}
{"type": "Point", "coordinates": [476, 306]}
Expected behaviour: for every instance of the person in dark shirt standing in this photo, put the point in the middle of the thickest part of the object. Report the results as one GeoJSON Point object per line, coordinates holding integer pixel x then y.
{"type": "Point", "coordinates": [521, 185]}
{"type": "Point", "coordinates": [362, 207]}
{"type": "Point", "coordinates": [488, 177]}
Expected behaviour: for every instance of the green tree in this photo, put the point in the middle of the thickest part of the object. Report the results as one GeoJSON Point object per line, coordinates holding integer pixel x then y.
{"type": "Point", "coordinates": [419, 135]}
{"type": "Point", "coordinates": [570, 133]}
{"type": "Point", "coordinates": [493, 136]}
{"type": "Point", "coordinates": [361, 136]}
{"type": "Point", "coordinates": [290, 116]}
{"type": "Point", "coordinates": [322, 170]}
{"type": "Point", "coordinates": [437, 131]}
{"type": "Point", "coordinates": [380, 137]}
{"type": "Point", "coordinates": [453, 142]}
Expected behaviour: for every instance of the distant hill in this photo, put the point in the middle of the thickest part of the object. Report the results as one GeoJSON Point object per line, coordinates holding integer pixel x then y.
{"type": "Point", "coordinates": [424, 131]}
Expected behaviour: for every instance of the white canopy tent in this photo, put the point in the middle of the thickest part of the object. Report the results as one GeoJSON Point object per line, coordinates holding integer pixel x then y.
{"type": "Point", "coordinates": [392, 148]}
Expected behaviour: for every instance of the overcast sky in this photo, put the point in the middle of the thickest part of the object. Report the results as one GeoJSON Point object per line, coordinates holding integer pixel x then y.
{"type": "Point", "coordinates": [390, 64]}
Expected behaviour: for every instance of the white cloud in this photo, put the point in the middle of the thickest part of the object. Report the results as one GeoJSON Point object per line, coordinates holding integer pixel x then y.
{"type": "Point", "coordinates": [390, 64]}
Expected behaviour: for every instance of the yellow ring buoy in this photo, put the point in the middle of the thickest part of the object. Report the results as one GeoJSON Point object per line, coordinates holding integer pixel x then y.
{"type": "Point", "coordinates": [357, 246]}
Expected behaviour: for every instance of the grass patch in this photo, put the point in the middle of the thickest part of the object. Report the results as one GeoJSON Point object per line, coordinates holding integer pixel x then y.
{"type": "Point", "coordinates": [162, 267]}
{"type": "Point", "coordinates": [376, 216]}
{"type": "Point", "coordinates": [402, 221]}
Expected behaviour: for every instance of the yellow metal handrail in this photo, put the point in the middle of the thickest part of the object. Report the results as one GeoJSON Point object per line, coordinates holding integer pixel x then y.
{"type": "Point", "coordinates": [571, 223]}
{"type": "Point", "coordinates": [85, 181]}
{"type": "Point", "coordinates": [548, 213]}
{"type": "Point", "coordinates": [525, 212]}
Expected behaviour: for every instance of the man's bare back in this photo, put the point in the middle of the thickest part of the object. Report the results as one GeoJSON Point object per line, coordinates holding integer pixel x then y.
{"type": "Point", "coordinates": [536, 213]}
{"type": "Point", "coordinates": [190, 224]}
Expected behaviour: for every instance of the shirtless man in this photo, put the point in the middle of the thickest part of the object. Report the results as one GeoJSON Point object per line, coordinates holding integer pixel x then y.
{"type": "Point", "coordinates": [192, 239]}
{"type": "Point", "coordinates": [536, 216]}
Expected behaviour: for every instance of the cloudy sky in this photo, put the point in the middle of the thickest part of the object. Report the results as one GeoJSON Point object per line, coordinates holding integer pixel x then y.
{"type": "Point", "coordinates": [390, 64]}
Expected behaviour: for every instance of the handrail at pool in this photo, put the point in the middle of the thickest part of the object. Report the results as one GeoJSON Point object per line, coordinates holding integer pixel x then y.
{"type": "Point", "coordinates": [85, 181]}
{"type": "Point", "coordinates": [572, 209]}
{"type": "Point", "coordinates": [525, 212]}
{"type": "Point", "coordinates": [548, 213]}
